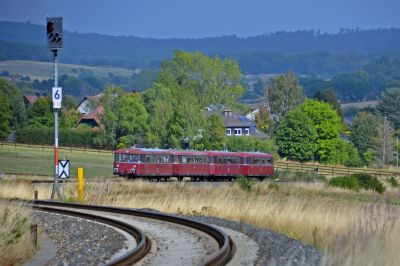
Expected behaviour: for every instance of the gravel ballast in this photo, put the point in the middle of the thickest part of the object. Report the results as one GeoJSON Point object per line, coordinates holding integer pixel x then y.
{"type": "Point", "coordinates": [80, 241]}
{"type": "Point", "coordinates": [87, 243]}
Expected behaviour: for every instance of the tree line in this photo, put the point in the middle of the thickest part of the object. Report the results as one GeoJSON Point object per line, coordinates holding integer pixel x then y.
{"type": "Point", "coordinates": [171, 114]}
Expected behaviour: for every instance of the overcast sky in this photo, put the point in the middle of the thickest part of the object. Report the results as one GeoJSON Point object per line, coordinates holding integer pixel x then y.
{"type": "Point", "coordinates": [202, 18]}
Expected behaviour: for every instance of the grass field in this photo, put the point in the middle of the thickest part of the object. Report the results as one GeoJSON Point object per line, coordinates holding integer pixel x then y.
{"type": "Point", "coordinates": [37, 161]}
{"type": "Point", "coordinates": [348, 231]}
{"type": "Point", "coordinates": [44, 70]}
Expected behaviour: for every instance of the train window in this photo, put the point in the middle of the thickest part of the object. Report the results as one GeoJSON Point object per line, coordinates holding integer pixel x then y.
{"type": "Point", "coordinates": [262, 161]}
{"type": "Point", "coordinates": [149, 158]}
{"type": "Point", "coordinates": [210, 159]}
{"type": "Point", "coordinates": [117, 157]}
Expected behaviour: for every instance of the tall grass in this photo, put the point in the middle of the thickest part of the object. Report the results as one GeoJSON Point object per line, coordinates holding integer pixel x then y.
{"type": "Point", "coordinates": [347, 230]}
{"type": "Point", "coordinates": [15, 244]}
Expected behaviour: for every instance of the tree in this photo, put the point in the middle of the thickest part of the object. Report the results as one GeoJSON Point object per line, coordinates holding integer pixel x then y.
{"type": "Point", "coordinates": [285, 94]}
{"type": "Point", "coordinates": [5, 116]}
{"type": "Point", "coordinates": [208, 80]}
{"type": "Point", "coordinates": [327, 124]}
{"type": "Point", "coordinates": [263, 119]}
{"type": "Point", "coordinates": [18, 114]}
{"type": "Point", "coordinates": [364, 129]}
{"type": "Point", "coordinates": [296, 136]}
{"type": "Point", "coordinates": [389, 106]}
{"type": "Point", "coordinates": [40, 114]}
{"type": "Point", "coordinates": [184, 86]}
{"type": "Point", "coordinates": [214, 134]}
{"type": "Point", "coordinates": [384, 146]}
{"type": "Point", "coordinates": [329, 97]}
{"type": "Point", "coordinates": [352, 86]}
{"type": "Point", "coordinates": [124, 116]}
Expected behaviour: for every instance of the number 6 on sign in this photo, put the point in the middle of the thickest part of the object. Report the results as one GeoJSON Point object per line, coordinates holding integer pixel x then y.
{"type": "Point", "coordinates": [57, 97]}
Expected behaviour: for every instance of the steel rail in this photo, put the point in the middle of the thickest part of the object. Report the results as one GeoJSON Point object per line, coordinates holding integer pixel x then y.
{"type": "Point", "coordinates": [221, 257]}
{"type": "Point", "coordinates": [134, 255]}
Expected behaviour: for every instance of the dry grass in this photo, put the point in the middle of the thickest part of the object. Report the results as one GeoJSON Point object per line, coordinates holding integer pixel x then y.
{"type": "Point", "coordinates": [349, 231]}
{"type": "Point", "coordinates": [15, 243]}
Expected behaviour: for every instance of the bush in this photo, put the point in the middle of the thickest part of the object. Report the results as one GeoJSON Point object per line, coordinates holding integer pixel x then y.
{"type": "Point", "coordinates": [67, 137]}
{"type": "Point", "coordinates": [369, 182]}
{"type": "Point", "coordinates": [348, 182]}
{"type": "Point", "coordinates": [357, 181]}
{"type": "Point", "coordinates": [245, 183]}
{"type": "Point", "coordinates": [392, 181]}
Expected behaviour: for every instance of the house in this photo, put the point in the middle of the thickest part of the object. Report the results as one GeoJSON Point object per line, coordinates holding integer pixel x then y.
{"type": "Point", "coordinates": [29, 100]}
{"type": "Point", "coordinates": [88, 103]}
{"type": "Point", "coordinates": [237, 125]}
{"type": "Point", "coordinates": [92, 119]}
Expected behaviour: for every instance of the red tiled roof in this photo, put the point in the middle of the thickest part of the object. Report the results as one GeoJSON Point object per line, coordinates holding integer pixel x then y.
{"type": "Point", "coordinates": [31, 99]}
{"type": "Point", "coordinates": [93, 115]}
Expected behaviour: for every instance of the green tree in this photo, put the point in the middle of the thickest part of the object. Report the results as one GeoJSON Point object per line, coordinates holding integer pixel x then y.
{"type": "Point", "coordinates": [296, 136]}
{"type": "Point", "coordinates": [251, 144]}
{"type": "Point", "coordinates": [329, 97]}
{"type": "Point", "coordinates": [208, 80]}
{"type": "Point", "coordinates": [124, 116]}
{"type": "Point", "coordinates": [284, 95]}
{"type": "Point", "coordinates": [5, 116]}
{"type": "Point", "coordinates": [40, 114]}
{"type": "Point", "coordinates": [185, 85]}
{"type": "Point", "coordinates": [18, 114]}
{"type": "Point", "coordinates": [327, 124]}
{"type": "Point", "coordinates": [345, 154]}
{"type": "Point", "coordinates": [389, 106]}
{"type": "Point", "coordinates": [364, 129]}
{"type": "Point", "coordinates": [214, 134]}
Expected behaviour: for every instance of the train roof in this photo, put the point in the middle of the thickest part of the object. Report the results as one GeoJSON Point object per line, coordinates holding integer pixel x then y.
{"type": "Point", "coordinates": [191, 152]}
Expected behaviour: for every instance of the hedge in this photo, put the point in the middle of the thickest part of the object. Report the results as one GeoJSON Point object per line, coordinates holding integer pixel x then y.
{"type": "Point", "coordinates": [67, 137]}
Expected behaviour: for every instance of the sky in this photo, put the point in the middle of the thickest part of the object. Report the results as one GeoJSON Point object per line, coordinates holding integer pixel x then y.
{"type": "Point", "coordinates": [205, 18]}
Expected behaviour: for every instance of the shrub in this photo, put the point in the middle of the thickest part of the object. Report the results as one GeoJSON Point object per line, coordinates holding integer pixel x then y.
{"type": "Point", "coordinates": [348, 182]}
{"type": "Point", "coordinates": [357, 181]}
{"type": "Point", "coordinates": [245, 183]}
{"type": "Point", "coordinates": [392, 181]}
{"type": "Point", "coordinates": [369, 182]}
{"type": "Point", "coordinates": [45, 136]}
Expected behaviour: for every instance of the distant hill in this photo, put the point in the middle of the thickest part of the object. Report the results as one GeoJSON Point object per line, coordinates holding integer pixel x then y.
{"type": "Point", "coordinates": [44, 70]}
{"type": "Point", "coordinates": [306, 52]}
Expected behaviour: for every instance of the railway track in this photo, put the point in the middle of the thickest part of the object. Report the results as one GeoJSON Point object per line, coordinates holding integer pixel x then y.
{"type": "Point", "coordinates": [224, 253]}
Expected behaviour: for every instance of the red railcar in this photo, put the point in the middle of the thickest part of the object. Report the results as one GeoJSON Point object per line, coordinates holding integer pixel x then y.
{"type": "Point", "coordinates": [199, 165]}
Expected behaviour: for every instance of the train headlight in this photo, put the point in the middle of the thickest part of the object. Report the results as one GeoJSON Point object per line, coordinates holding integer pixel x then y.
{"type": "Point", "coordinates": [133, 170]}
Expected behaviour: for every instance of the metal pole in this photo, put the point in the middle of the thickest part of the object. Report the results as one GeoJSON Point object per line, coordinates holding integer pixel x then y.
{"type": "Point", "coordinates": [397, 151]}
{"type": "Point", "coordinates": [56, 188]}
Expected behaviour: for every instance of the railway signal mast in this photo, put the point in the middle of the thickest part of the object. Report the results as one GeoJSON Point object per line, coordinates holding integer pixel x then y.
{"type": "Point", "coordinates": [55, 41]}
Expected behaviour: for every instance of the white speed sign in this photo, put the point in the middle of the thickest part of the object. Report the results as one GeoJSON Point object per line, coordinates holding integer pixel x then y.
{"type": "Point", "coordinates": [57, 97]}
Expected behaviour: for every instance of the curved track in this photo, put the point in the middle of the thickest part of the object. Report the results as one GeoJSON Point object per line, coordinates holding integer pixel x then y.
{"type": "Point", "coordinates": [221, 257]}
{"type": "Point", "coordinates": [134, 255]}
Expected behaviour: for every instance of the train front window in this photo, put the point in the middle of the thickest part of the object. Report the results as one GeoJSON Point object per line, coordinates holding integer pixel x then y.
{"type": "Point", "coordinates": [128, 158]}
{"type": "Point", "coordinates": [117, 157]}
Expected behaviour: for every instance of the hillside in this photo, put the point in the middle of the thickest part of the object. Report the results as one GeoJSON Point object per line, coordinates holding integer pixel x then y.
{"type": "Point", "coordinates": [44, 70]}
{"type": "Point", "coordinates": [314, 53]}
